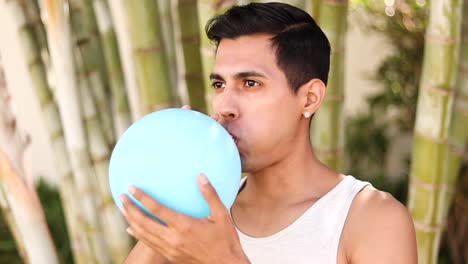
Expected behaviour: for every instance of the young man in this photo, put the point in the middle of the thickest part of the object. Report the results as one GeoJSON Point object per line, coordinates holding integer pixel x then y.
{"type": "Point", "coordinates": [269, 78]}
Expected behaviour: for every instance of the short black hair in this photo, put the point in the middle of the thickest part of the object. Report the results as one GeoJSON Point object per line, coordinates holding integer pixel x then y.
{"type": "Point", "coordinates": [302, 49]}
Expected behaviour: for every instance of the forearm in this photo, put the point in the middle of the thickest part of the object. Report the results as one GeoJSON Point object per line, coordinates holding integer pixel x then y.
{"type": "Point", "coordinates": [142, 254]}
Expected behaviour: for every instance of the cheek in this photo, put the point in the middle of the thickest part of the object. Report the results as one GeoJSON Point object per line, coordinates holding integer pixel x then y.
{"type": "Point", "coordinates": [266, 134]}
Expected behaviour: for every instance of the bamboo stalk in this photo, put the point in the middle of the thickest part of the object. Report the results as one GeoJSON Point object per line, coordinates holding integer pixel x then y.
{"type": "Point", "coordinates": [31, 8]}
{"type": "Point", "coordinates": [120, 105]}
{"type": "Point", "coordinates": [112, 221]}
{"type": "Point", "coordinates": [5, 207]}
{"type": "Point", "coordinates": [37, 73]}
{"type": "Point", "coordinates": [28, 216]}
{"type": "Point", "coordinates": [59, 38]}
{"type": "Point", "coordinates": [29, 228]}
{"type": "Point", "coordinates": [5, 211]}
{"type": "Point", "coordinates": [168, 23]}
{"type": "Point", "coordinates": [88, 44]}
{"type": "Point", "coordinates": [431, 187]}
{"type": "Point", "coordinates": [206, 10]}
{"type": "Point", "coordinates": [297, 3]}
{"type": "Point", "coordinates": [154, 91]}
{"type": "Point", "coordinates": [313, 8]}
{"type": "Point", "coordinates": [327, 126]}
{"type": "Point", "coordinates": [190, 40]}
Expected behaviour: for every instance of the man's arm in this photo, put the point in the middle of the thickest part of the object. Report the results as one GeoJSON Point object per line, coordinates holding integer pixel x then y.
{"type": "Point", "coordinates": [142, 254]}
{"type": "Point", "coordinates": [379, 229]}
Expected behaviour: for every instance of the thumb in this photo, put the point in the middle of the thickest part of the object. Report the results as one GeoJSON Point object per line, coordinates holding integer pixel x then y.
{"type": "Point", "coordinates": [211, 196]}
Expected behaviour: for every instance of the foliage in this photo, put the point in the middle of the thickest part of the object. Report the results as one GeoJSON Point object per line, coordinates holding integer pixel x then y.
{"type": "Point", "coordinates": [392, 110]}
{"type": "Point", "coordinates": [8, 252]}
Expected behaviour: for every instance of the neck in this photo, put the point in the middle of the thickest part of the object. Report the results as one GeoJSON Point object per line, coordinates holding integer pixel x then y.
{"type": "Point", "coordinates": [298, 175]}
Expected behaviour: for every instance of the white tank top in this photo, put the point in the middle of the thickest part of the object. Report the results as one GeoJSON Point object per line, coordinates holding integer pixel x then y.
{"type": "Point", "coordinates": [313, 237]}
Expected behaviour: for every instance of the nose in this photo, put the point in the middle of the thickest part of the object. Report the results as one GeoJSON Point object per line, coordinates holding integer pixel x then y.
{"type": "Point", "coordinates": [225, 105]}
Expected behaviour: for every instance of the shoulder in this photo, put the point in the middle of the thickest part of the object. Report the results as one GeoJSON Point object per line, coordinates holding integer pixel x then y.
{"type": "Point", "coordinates": [379, 229]}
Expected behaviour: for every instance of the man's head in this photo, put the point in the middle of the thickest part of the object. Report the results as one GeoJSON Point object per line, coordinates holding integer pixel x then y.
{"type": "Point", "coordinates": [270, 67]}
{"type": "Point", "coordinates": [302, 49]}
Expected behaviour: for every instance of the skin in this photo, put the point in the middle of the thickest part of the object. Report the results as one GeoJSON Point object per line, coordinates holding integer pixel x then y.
{"type": "Point", "coordinates": [253, 101]}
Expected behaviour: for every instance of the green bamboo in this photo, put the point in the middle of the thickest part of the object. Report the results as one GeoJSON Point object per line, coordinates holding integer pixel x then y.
{"type": "Point", "coordinates": [37, 72]}
{"type": "Point", "coordinates": [206, 10]}
{"type": "Point", "coordinates": [67, 95]}
{"type": "Point", "coordinates": [432, 172]}
{"type": "Point", "coordinates": [27, 215]}
{"type": "Point", "coordinates": [190, 40]}
{"type": "Point", "coordinates": [313, 8]}
{"type": "Point", "coordinates": [151, 70]}
{"type": "Point", "coordinates": [168, 21]}
{"type": "Point", "coordinates": [5, 209]}
{"type": "Point", "coordinates": [86, 35]}
{"type": "Point", "coordinates": [327, 125]}
{"type": "Point", "coordinates": [112, 221]}
{"type": "Point", "coordinates": [120, 105]}
{"type": "Point", "coordinates": [297, 3]}
{"type": "Point", "coordinates": [32, 10]}
{"type": "Point", "coordinates": [23, 209]}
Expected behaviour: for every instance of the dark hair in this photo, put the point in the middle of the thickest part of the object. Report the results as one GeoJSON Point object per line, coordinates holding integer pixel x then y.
{"type": "Point", "coordinates": [302, 49]}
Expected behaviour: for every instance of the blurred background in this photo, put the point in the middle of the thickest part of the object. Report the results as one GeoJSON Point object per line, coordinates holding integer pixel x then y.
{"type": "Point", "coordinates": [74, 74]}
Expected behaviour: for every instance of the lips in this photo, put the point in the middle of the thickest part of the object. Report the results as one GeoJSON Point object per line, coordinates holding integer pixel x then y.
{"type": "Point", "coordinates": [234, 137]}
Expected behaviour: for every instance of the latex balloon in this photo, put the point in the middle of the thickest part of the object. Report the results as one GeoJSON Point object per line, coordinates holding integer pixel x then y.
{"type": "Point", "coordinates": [163, 153]}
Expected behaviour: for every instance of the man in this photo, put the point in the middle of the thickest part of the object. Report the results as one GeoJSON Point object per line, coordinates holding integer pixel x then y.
{"type": "Point", "coordinates": [269, 78]}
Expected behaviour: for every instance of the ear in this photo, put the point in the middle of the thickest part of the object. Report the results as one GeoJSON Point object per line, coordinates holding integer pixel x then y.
{"type": "Point", "coordinates": [311, 94]}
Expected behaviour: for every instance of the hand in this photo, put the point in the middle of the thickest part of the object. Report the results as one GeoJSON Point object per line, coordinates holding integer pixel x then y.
{"type": "Point", "coordinates": [185, 239]}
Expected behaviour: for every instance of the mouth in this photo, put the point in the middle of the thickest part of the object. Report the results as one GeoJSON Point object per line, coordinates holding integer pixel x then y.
{"type": "Point", "coordinates": [235, 138]}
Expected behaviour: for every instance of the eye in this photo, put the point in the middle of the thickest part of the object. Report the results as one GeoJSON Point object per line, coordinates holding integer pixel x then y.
{"type": "Point", "coordinates": [217, 85]}
{"type": "Point", "coordinates": [251, 83]}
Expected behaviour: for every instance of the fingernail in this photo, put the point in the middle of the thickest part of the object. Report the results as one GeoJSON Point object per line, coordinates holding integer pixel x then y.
{"type": "Point", "coordinates": [129, 230]}
{"type": "Point", "coordinates": [131, 189]}
{"type": "Point", "coordinates": [121, 197]}
{"type": "Point", "coordinates": [123, 211]}
{"type": "Point", "coordinates": [203, 179]}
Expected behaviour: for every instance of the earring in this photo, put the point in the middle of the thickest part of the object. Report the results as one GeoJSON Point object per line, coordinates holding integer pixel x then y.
{"type": "Point", "coordinates": [307, 114]}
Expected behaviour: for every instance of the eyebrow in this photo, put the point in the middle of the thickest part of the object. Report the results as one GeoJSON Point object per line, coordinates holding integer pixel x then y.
{"type": "Point", "coordinates": [239, 75]}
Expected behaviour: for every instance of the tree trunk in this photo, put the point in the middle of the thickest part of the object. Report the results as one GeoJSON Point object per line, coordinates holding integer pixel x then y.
{"type": "Point", "coordinates": [67, 95]}
{"type": "Point", "coordinates": [154, 90]}
{"type": "Point", "coordinates": [120, 105]}
{"type": "Point", "coordinates": [433, 159]}
{"type": "Point", "coordinates": [327, 124]}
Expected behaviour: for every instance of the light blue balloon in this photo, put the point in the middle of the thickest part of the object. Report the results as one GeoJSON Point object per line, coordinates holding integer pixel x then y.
{"type": "Point", "coordinates": [163, 152]}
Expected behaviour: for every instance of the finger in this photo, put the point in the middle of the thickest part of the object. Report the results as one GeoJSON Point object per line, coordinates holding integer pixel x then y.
{"type": "Point", "coordinates": [186, 107]}
{"type": "Point", "coordinates": [142, 225]}
{"type": "Point", "coordinates": [164, 213]}
{"type": "Point", "coordinates": [211, 196]}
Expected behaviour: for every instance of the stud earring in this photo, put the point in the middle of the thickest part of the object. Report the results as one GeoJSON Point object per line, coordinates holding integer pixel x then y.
{"type": "Point", "coordinates": [307, 114]}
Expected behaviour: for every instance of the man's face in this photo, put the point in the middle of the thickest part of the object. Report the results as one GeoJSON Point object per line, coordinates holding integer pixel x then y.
{"type": "Point", "coordinates": [254, 100]}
